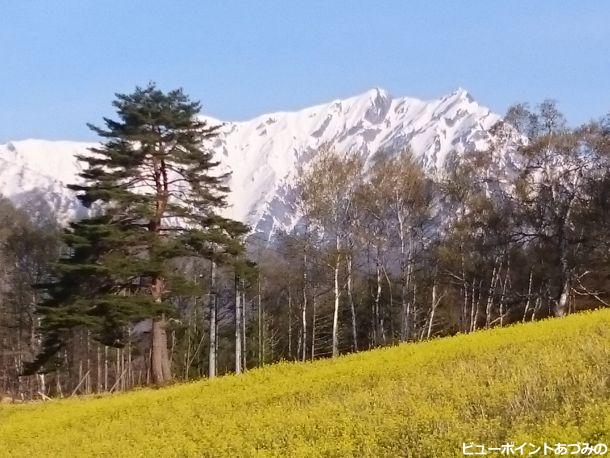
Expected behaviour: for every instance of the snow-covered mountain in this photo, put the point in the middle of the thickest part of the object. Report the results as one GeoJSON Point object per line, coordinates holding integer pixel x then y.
{"type": "Point", "coordinates": [265, 153]}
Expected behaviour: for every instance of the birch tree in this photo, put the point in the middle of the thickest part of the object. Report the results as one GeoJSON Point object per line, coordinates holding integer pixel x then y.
{"type": "Point", "coordinates": [562, 167]}
{"type": "Point", "coordinates": [327, 190]}
{"type": "Point", "coordinates": [405, 193]}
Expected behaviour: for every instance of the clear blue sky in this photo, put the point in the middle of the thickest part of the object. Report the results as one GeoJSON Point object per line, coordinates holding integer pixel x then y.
{"type": "Point", "coordinates": [61, 61]}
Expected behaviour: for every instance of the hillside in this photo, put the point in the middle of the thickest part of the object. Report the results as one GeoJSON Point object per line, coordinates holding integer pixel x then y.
{"type": "Point", "coordinates": [265, 154]}
{"type": "Point", "coordinates": [545, 381]}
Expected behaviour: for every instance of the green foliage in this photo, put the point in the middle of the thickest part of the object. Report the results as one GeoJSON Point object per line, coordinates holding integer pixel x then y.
{"type": "Point", "coordinates": [154, 186]}
{"type": "Point", "coordinates": [525, 383]}
{"type": "Point", "coordinates": [27, 249]}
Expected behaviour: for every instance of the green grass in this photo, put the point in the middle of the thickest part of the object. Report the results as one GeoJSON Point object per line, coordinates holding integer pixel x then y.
{"type": "Point", "coordinates": [546, 381]}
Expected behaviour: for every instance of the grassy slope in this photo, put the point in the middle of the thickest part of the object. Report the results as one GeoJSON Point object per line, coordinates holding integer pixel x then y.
{"type": "Point", "coordinates": [534, 382]}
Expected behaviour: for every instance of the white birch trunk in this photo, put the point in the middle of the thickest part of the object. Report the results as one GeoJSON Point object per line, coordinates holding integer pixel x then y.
{"type": "Point", "coordinates": [432, 310]}
{"type": "Point", "coordinates": [351, 302]}
{"type": "Point", "coordinates": [337, 300]}
{"type": "Point", "coordinates": [304, 310]}
{"type": "Point", "coordinates": [213, 323]}
{"type": "Point", "coordinates": [244, 353]}
{"type": "Point", "coordinates": [529, 297]}
{"type": "Point", "coordinates": [238, 328]}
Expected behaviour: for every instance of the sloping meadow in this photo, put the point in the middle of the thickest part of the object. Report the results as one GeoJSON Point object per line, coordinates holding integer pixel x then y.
{"type": "Point", "coordinates": [545, 382]}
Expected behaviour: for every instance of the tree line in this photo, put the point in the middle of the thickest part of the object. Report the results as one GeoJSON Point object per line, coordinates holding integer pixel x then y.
{"type": "Point", "coordinates": [156, 286]}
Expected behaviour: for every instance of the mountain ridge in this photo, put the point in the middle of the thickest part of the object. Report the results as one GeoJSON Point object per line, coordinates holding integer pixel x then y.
{"type": "Point", "coordinates": [265, 153]}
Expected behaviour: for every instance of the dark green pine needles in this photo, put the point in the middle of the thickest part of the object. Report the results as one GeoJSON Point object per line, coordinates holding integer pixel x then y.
{"type": "Point", "coordinates": [154, 191]}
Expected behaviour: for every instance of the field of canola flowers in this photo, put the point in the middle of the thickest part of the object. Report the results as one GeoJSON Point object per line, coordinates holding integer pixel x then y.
{"type": "Point", "coordinates": [539, 382]}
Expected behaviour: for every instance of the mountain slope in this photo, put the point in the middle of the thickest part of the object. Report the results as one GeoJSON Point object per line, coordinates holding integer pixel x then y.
{"type": "Point", "coordinates": [533, 383]}
{"type": "Point", "coordinates": [34, 173]}
{"type": "Point", "coordinates": [266, 153]}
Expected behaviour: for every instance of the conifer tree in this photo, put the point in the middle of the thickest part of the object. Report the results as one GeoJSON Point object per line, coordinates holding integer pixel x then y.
{"type": "Point", "coordinates": [157, 192]}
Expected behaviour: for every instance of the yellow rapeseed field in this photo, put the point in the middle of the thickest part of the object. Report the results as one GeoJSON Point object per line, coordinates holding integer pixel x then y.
{"type": "Point", "coordinates": [540, 382]}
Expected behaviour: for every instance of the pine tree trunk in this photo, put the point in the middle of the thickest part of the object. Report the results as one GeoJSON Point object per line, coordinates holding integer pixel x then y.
{"type": "Point", "coordinates": [159, 364]}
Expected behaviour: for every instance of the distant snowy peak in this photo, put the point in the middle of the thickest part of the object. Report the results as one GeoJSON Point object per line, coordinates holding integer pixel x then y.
{"type": "Point", "coordinates": [34, 175]}
{"type": "Point", "coordinates": [265, 153]}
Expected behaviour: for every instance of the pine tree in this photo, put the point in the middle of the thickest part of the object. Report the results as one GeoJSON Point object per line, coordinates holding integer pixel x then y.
{"type": "Point", "coordinates": [156, 191]}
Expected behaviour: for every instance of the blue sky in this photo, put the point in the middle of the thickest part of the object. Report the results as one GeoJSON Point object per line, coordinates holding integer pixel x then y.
{"type": "Point", "coordinates": [61, 61]}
